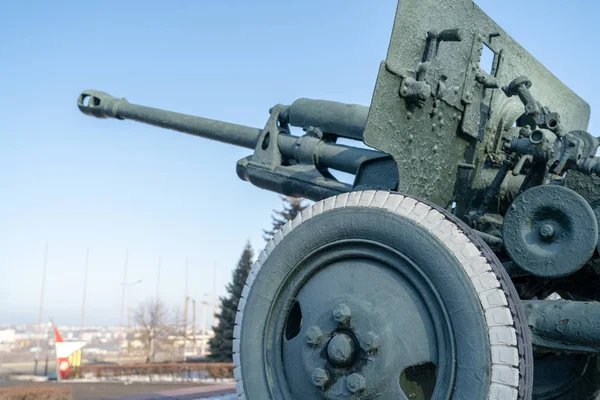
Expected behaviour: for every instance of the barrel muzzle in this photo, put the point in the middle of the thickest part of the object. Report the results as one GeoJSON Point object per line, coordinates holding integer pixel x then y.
{"type": "Point", "coordinates": [99, 104]}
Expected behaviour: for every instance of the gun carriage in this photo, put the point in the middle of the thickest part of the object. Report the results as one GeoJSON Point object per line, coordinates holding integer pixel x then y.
{"type": "Point", "coordinates": [435, 274]}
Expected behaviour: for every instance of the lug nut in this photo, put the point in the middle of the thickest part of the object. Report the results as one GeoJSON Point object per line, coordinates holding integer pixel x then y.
{"type": "Point", "coordinates": [356, 383]}
{"type": "Point", "coordinates": [314, 336]}
{"type": "Point", "coordinates": [341, 314]}
{"type": "Point", "coordinates": [369, 342]}
{"type": "Point", "coordinates": [320, 377]}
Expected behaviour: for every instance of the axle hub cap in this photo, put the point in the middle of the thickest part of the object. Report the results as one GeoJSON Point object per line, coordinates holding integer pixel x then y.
{"type": "Point", "coordinates": [341, 350]}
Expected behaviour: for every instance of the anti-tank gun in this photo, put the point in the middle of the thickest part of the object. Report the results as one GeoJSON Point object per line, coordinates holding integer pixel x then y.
{"type": "Point", "coordinates": [432, 274]}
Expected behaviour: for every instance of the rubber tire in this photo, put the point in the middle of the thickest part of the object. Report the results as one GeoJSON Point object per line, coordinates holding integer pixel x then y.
{"type": "Point", "coordinates": [499, 357]}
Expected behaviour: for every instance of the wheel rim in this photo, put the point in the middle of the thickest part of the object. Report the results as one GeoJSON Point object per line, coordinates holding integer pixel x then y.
{"type": "Point", "coordinates": [332, 337]}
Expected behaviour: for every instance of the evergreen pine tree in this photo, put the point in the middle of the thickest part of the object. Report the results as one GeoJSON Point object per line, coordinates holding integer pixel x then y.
{"type": "Point", "coordinates": [221, 345]}
{"type": "Point", "coordinates": [292, 206]}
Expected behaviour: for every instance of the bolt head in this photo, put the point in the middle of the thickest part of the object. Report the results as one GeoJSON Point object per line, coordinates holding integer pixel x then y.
{"type": "Point", "coordinates": [341, 314]}
{"type": "Point", "coordinates": [314, 336]}
{"type": "Point", "coordinates": [320, 377]}
{"type": "Point", "coordinates": [547, 232]}
{"type": "Point", "coordinates": [356, 383]}
{"type": "Point", "coordinates": [369, 342]}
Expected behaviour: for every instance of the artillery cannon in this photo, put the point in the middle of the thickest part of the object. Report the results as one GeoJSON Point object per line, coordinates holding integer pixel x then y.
{"type": "Point", "coordinates": [435, 274]}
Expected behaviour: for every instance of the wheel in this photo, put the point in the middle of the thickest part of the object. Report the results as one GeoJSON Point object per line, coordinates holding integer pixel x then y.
{"type": "Point", "coordinates": [566, 377]}
{"type": "Point", "coordinates": [550, 231]}
{"type": "Point", "coordinates": [375, 294]}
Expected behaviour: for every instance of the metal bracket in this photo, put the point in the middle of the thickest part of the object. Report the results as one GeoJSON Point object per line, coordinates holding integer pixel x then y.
{"type": "Point", "coordinates": [267, 168]}
{"type": "Point", "coordinates": [266, 152]}
{"type": "Point", "coordinates": [417, 91]}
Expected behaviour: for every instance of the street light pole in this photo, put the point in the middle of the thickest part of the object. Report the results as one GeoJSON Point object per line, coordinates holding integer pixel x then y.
{"type": "Point", "coordinates": [122, 308]}
{"type": "Point", "coordinates": [194, 329]}
{"type": "Point", "coordinates": [128, 331]}
{"type": "Point", "coordinates": [204, 304]}
{"type": "Point", "coordinates": [153, 339]}
{"type": "Point", "coordinates": [203, 322]}
{"type": "Point", "coordinates": [158, 282]}
{"type": "Point", "coordinates": [185, 325]}
{"type": "Point", "coordinates": [37, 346]}
{"type": "Point", "coordinates": [126, 285]}
{"type": "Point", "coordinates": [215, 305]}
{"type": "Point", "coordinates": [85, 276]}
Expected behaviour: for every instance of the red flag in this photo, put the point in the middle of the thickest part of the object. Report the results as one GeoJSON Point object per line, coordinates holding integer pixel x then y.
{"type": "Point", "coordinates": [57, 337]}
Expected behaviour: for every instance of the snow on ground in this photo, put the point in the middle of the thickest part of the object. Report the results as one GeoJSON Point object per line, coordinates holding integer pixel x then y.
{"type": "Point", "coordinates": [152, 378]}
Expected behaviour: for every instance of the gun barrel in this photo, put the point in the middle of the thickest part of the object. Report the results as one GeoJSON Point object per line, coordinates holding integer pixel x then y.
{"type": "Point", "coordinates": [103, 105]}
{"type": "Point", "coordinates": [329, 155]}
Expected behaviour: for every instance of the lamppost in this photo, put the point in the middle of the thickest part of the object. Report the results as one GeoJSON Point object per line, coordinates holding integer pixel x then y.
{"type": "Point", "coordinates": [203, 340]}
{"type": "Point", "coordinates": [126, 285]}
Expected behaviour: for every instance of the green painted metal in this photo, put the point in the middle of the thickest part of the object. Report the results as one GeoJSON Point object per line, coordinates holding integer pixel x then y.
{"type": "Point", "coordinates": [464, 115]}
{"type": "Point", "coordinates": [564, 325]}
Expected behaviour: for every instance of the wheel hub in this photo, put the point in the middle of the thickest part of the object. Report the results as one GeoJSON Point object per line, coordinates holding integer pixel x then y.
{"type": "Point", "coordinates": [341, 350]}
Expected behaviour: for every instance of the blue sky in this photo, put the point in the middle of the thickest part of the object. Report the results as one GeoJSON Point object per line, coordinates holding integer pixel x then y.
{"type": "Point", "coordinates": [109, 185]}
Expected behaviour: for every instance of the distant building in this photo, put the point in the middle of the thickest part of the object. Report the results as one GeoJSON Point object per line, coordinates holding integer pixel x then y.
{"type": "Point", "coordinates": [88, 336]}
{"type": "Point", "coordinates": [201, 349]}
{"type": "Point", "coordinates": [7, 336]}
{"type": "Point", "coordinates": [95, 351]}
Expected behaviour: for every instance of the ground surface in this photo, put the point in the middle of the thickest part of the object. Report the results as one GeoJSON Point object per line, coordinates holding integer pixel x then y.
{"type": "Point", "coordinates": [142, 391]}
